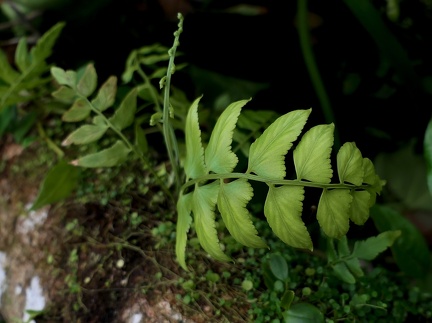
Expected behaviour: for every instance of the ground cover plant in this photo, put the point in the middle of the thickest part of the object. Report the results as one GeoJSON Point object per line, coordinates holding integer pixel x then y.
{"type": "Point", "coordinates": [274, 220]}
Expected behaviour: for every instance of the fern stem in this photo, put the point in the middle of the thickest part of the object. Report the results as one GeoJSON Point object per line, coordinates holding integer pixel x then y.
{"type": "Point", "coordinates": [305, 44]}
{"type": "Point", "coordinates": [132, 148]}
{"type": "Point", "coordinates": [270, 181]}
{"type": "Point", "coordinates": [168, 131]}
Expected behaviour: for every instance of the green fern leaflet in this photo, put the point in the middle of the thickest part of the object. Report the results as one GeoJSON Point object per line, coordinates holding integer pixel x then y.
{"type": "Point", "coordinates": [213, 189]}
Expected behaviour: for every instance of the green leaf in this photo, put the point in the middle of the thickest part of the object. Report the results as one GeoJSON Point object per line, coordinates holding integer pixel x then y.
{"type": "Point", "coordinates": [410, 250]}
{"type": "Point", "coordinates": [64, 94]}
{"type": "Point", "coordinates": [267, 153]}
{"type": "Point", "coordinates": [58, 184]}
{"type": "Point", "coordinates": [113, 156]}
{"type": "Point", "coordinates": [7, 73]}
{"type": "Point", "coordinates": [203, 205]}
{"type": "Point", "coordinates": [22, 57]}
{"type": "Point", "coordinates": [232, 201]}
{"type": "Point", "coordinates": [106, 94]}
{"type": "Point", "coordinates": [140, 139]}
{"type": "Point", "coordinates": [341, 270]}
{"type": "Point", "coordinates": [63, 77]}
{"type": "Point", "coordinates": [370, 248]}
{"type": "Point", "coordinates": [88, 81]}
{"type": "Point", "coordinates": [85, 134]}
{"type": "Point", "coordinates": [303, 313]}
{"type": "Point", "coordinates": [278, 267]}
{"type": "Point", "coordinates": [351, 262]}
{"type": "Point", "coordinates": [359, 209]}
{"type": "Point", "coordinates": [79, 111]}
{"type": "Point", "coordinates": [350, 164]}
{"type": "Point", "coordinates": [194, 162]}
{"type": "Point", "coordinates": [43, 48]}
{"type": "Point", "coordinates": [332, 212]}
{"type": "Point", "coordinates": [371, 178]}
{"type": "Point", "coordinates": [283, 208]}
{"type": "Point", "coordinates": [184, 220]}
{"type": "Point", "coordinates": [219, 157]}
{"type": "Point", "coordinates": [124, 116]}
{"type": "Point", "coordinates": [427, 152]}
{"type": "Point", "coordinates": [312, 154]}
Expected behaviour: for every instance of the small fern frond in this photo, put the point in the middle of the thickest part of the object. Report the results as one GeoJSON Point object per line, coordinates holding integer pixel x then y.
{"type": "Point", "coordinates": [215, 184]}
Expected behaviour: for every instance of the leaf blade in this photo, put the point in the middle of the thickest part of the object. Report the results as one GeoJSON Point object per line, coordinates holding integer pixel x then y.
{"type": "Point", "coordinates": [267, 153]}
{"type": "Point", "coordinates": [332, 212]}
{"type": "Point", "coordinates": [124, 116]}
{"type": "Point", "coordinates": [232, 200]}
{"type": "Point", "coordinates": [282, 208]}
{"type": "Point", "coordinates": [203, 205]}
{"type": "Point", "coordinates": [85, 134]}
{"type": "Point", "coordinates": [219, 158]}
{"type": "Point", "coordinates": [312, 154]}
{"type": "Point", "coordinates": [194, 162]}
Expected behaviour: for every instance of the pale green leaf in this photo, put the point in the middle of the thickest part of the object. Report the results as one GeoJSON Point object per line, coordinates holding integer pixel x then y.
{"type": "Point", "coordinates": [79, 111]}
{"type": "Point", "coordinates": [43, 48]}
{"type": "Point", "coordinates": [63, 77]}
{"type": "Point", "coordinates": [184, 220]}
{"type": "Point", "coordinates": [88, 81]}
{"type": "Point", "coordinates": [350, 164]}
{"type": "Point", "coordinates": [303, 313]}
{"type": "Point", "coordinates": [342, 247]}
{"type": "Point", "coordinates": [371, 178]}
{"type": "Point", "coordinates": [58, 184]}
{"type": "Point", "coordinates": [22, 57]}
{"type": "Point", "coordinates": [267, 153]}
{"type": "Point", "coordinates": [283, 209]}
{"type": "Point", "coordinates": [312, 154]}
{"type": "Point", "coordinates": [124, 116]}
{"type": "Point", "coordinates": [354, 266]}
{"type": "Point", "coordinates": [113, 156]}
{"type": "Point", "coordinates": [219, 157]}
{"type": "Point", "coordinates": [7, 73]}
{"type": "Point", "coordinates": [359, 210]}
{"type": "Point", "coordinates": [64, 94]}
{"type": "Point", "coordinates": [370, 248]}
{"type": "Point", "coordinates": [332, 212]}
{"type": "Point", "coordinates": [194, 162]}
{"type": "Point", "coordinates": [106, 94]}
{"type": "Point", "coordinates": [85, 134]}
{"type": "Point", "coordinates": [203, 206]}
{"type": "Point", "coordinates": [232, 201]}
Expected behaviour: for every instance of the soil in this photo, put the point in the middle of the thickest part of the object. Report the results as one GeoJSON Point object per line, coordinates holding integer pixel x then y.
{"type": "Point", "coordinates": [82, 259]}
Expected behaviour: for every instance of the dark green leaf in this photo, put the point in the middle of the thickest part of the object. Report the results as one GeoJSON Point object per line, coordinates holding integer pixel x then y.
{"type": "Point", "coordinates": [140, 139]}
{"type": "Point", "coordinates": [43, 48]}
{"type": "Point", "coordinates": [287, 299]}
{"type": "Point", "coordinates": [303, 313]}
{"type": "Point", "coordinates": [22, 58]}
{"type": "Point", "coordinates": [410, 250]}
{"type": "Point", "coordinates": [370, 248]}
{"type": "Point", "coordinates": [342, 271]}
{"type": "Point", "coordinates": [278, 266]}
{"type": "Point", "coordinates": [23, 126]}
{"type": "Point", "coordinates": [7, 73]}
{"type": "Point", "coordinates": [57, 185]}
{"type": "Point", "coordinates": [7, 115]}
{"type": "Point", "coordinates": [427, 152]}
{"type": "Point", "coordinates": [113, 156]}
